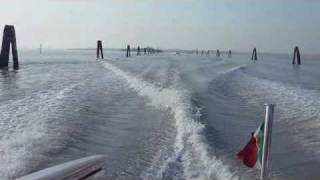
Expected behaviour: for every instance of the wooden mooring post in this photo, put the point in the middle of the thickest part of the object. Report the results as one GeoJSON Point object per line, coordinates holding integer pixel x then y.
{"type": "Point", "coordinates": [138, 51]}
{"type": "Point", "coordinates": [99, 49]}
{"type": "Point", "coordinates": [296, 55]}
{"type": "Point", "coordinates": [254, 56]}
{"type": "Point", "coordinates": [128, 51]}
{"type": "Point", "coordinates": [9, 38]}
{"type": "Point", "coordinates": [229, 54]}
{"type": "Point", "coordinates": [218, 53]}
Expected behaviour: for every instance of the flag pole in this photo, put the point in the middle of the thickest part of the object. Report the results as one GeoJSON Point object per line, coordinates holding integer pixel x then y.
{"type": "Point", "coordinates": [267, 141]}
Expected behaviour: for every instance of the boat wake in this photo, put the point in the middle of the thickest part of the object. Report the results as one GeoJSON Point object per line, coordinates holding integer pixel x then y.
{"type": "Point", "coordinates": [192, 157]}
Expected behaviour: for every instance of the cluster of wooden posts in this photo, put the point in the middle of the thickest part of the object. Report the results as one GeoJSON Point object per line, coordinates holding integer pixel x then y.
{"type": "Point", "coordinates": [208, 52]}
{"type": "Point", "coordinates": [254, 57]}
{"type": "Point", "coordinates": [9, 38]}
{"type": "Point", "coordinates": [145, 50]}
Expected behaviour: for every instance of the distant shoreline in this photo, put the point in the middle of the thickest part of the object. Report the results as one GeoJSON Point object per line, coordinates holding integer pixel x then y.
{"type": "Point", "coordinates": [189, 51]}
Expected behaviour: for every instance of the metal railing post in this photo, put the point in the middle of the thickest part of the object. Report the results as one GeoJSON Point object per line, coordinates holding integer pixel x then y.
{"type": "Point", "coordinates": [267, 141]}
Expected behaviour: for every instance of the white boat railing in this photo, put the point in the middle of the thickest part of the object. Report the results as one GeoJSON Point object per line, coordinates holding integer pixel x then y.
{"type": "Point", "coordinates": [80, 169]}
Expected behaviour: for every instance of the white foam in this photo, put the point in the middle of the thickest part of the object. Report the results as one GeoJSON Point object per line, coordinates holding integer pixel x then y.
{"type": "Point", "coordinates": [190, 144]}
{"type": "Point", "coordinates": [25, 135]}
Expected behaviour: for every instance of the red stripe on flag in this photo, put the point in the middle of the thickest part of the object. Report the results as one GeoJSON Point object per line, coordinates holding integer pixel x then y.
{"type": "Point", "coordinates": [249, 154]}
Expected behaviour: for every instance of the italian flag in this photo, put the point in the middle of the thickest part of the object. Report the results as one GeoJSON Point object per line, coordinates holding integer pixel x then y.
{"type": "Point", "coordinates": [251, 155]}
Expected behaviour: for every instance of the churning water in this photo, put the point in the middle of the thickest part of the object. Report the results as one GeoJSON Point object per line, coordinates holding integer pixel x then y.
{"type": "Point", "coordinates": [162, 116]}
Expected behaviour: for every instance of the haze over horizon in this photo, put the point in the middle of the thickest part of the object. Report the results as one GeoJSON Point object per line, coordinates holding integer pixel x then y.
{"type": "Point", "coordinates": [272, 26]}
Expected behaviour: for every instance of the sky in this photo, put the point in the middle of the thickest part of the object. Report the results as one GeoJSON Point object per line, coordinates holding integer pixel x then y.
{"type": "Point", "coordinates": [240, 25]}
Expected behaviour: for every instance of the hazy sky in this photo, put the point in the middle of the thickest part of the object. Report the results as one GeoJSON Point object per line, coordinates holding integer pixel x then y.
{"type": "Point", "coordinates": [271, 25]}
